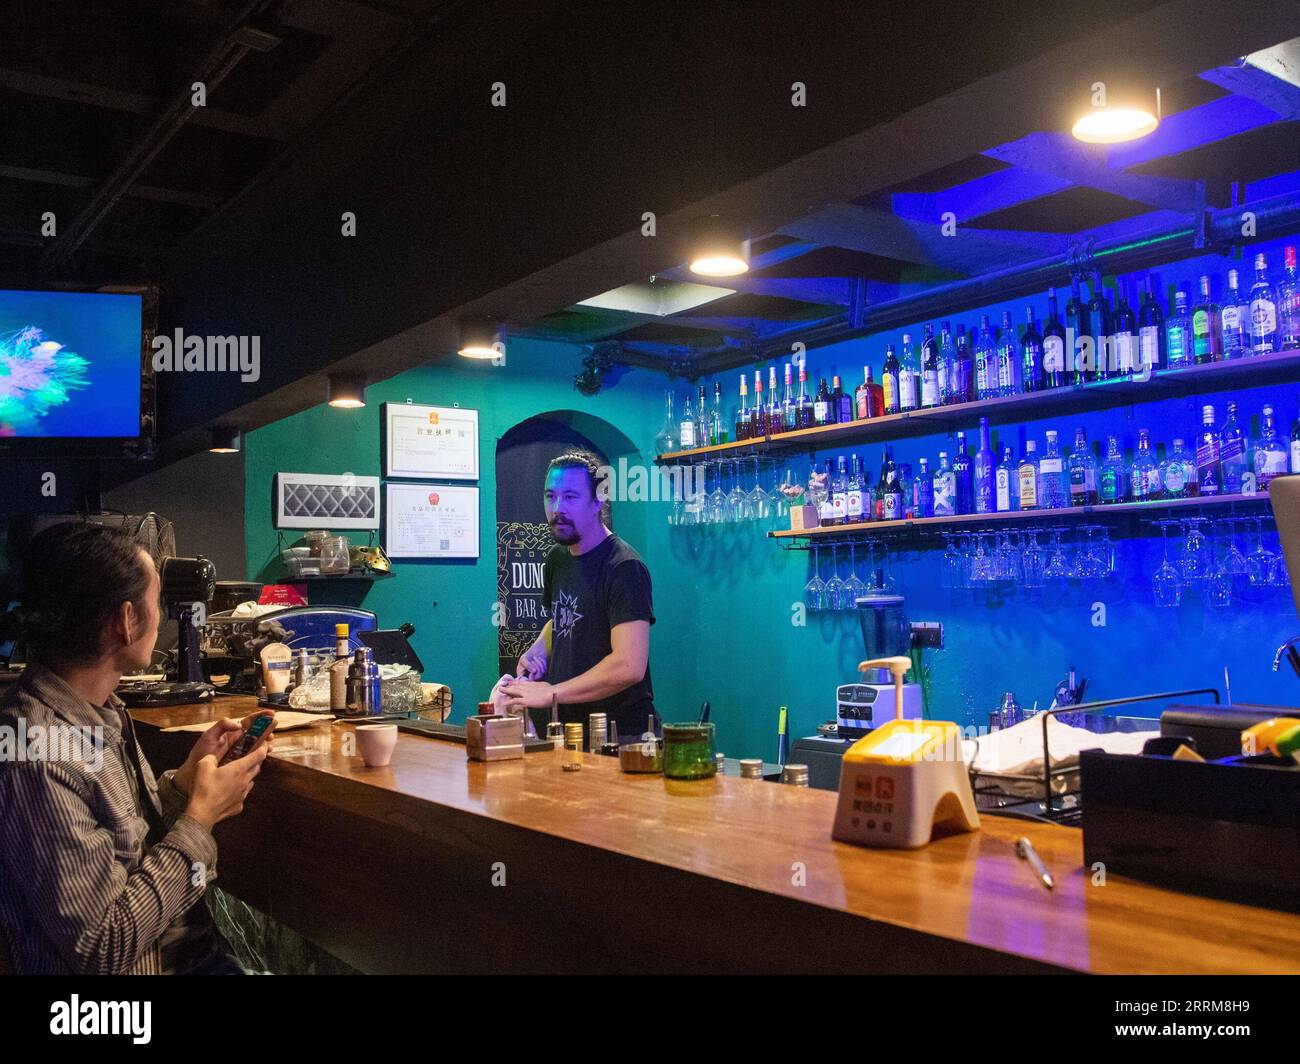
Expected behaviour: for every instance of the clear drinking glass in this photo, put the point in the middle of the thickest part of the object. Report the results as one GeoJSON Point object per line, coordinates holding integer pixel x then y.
{"type": "Point", "coordinates": [1218, 586]}
{"type": "Point", "coordinates": [1057, 567]}
{"type": "Point", "coordinates": [853, 588]}
{"type": "Point", "coordinates": [815, 589]}
{"type": "Point", "coordinates": [1034, 560]}
{"type": "Point", "coordinates": [735, 508]}
{"type": "Point", "coordinates": [1167, 582]}
{"type": "Point", "coordinates": [1196, 552]}
{"type": "Point", "coordinates": [834, 585]}
{"type": "Point", "coordinates": [1260, 562]}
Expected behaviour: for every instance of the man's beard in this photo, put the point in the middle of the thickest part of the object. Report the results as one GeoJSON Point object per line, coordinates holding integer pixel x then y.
{"type": "Point", "coordinates": [567, 538]}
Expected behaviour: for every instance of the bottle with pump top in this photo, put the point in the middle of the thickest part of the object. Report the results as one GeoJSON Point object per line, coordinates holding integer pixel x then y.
{"type": "Point", "coordinates": [1031, 356]}
{"type": "Point", "coordinates": [1056, 366]}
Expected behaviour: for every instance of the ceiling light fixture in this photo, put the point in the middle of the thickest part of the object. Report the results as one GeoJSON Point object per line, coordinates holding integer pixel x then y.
{"type": "Point", "coordinates": [347, 390]}
{"type": "Point", "coordinates": [719, 250]}
{"type": "Point", "coordinates": [1111, 122]}
{"type": "Point", "coordinates": [480, 338]}
{"type": "Point", "coordinates": [225, 440]}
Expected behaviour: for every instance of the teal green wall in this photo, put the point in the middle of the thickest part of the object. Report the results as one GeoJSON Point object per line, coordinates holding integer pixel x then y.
{"type": "Point", "coordinates": [724, 596]}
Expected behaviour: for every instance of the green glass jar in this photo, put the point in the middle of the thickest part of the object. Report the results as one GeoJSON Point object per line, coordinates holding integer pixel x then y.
{"type": "Point", "coordinates": [688, 751]}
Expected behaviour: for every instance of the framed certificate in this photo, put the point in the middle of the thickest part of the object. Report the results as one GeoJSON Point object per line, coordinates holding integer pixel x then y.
{"type": "Point", "coordinates": [433, 442]}
{"type": "Point", "coordinates": [430, 521]}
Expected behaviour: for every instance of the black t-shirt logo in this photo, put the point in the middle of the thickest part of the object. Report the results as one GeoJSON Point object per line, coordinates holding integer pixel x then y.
{"type": "Point", "coordinates": [566, 613]}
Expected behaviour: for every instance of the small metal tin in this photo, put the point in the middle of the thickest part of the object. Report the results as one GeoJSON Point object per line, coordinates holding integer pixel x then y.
{"type": "Point", "coordinates": [751, 768]}
{"type": "Point", "coordinates": [795, 775]}
{"type": "Point", "coordinates": [494, 738]}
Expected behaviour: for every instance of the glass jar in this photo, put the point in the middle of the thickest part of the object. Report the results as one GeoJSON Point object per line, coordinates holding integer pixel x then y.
{"type": "Point", "coordinates": [334, 556]}
{"type": "Point", "coordinates": [688, 751]}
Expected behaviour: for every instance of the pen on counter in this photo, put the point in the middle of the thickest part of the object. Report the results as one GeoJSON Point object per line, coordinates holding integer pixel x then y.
{"type": "Point", "coordinates": [1026, 852]}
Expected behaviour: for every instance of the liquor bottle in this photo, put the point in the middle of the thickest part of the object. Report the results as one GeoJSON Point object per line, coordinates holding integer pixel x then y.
{"type": "Point", "coordinates": [1028, 477]}
{"type": "Point", "coordinates": [1056, 374]}
{"type": "Point", "coordinates": [1178, 474]}
{"type": "Point", "coordinates": [868, 400]}
{"type": "Point", "coordinates": [963, 386]}
{"type": "Point", "coordinates": [1122, 356]}
{"type": "Point", "coordinates": [1005, 482]}
{"type": "Point", "coordinates": [822, 405]}
{"type": "Point", "coordinates": [758, 413]}
{"type": "Point", "coordinates": [1295, 446]}
{"type": "Point", "coordinates": [986, 361]}
{"type": "Point", "coordinates": [1178, 334]}
{"type": "Point", "coordinates": [1144, 480]}
{"type": "Point", "coordinates": [1008, 367]}
{"type": "Point", "coordinates": [945, 488]}
{"type": "Point", "coordinates": [1288, 305]}
{"type": "Point", "coordinates": [1263, 311]}
{"type": "Point", "coordinates": [853, 506]}
{"type": "Point", "coordinates": [803, 407]}
{"type": "Point", "coordinates": [964, 473]}
{"type": "Point", "coordinates": [686, 433]}
{"type": "Point", "coordinates": [909, 377]}
{"type": "Point", "coordinates": [843, 403]}
{"type": "Point", "coordinates": [924, 491]}
{"type": "Point", "coordinates": [1100, 316]}
{"type": "Point", "coordinates": [930, 394]}
{"type": "Point", "coordinates": [891, 488]}
{"type": "Point", "coordinates": [339, 670]}
{"type": "Point", "coordinates": [742, 412]}
{"type": "Point", "coordinates": [775, 418]}
{"type": "Point", "coordinates": [1234, 321]}
{"type": "Point", "coordinates": [984, 473]}
{"type": "Point", "coordinates": [1031, 356]}
{"type": "Point", "coordinates": [1112, 480]}
{"type": "Point", "coordinates": [1270, 458]}
{"type": "Point", "coordinates": [1053, 487]}
{"type": "Point", "coordinates": [787, 401]}
{"type": "Point", "coordinates": [1209, 467]}
{"type": "Point", "coordinates": [717, 427]}
{"type": "Point", "coordinates": [1078, 325]}
{"type": "Point", "coordinates": [840, 492]}
{"type": "Point", "coordinates": [1207, 327]}
{"type": "Point", "coordinates": [889, 377]}
{"type": "Point", "coordinates": [826, 512]}
{"type": "Point", "coordinates": [907, 488]}
{"type": "Point", "coordinates": [1234, 453]}
{"type": "Point", "coordinates": [1152, 345]}
{"type": "Point", "coordinates": [947, 366]}
{"type": "Point", "coordinates": [666, 440]}
{"type": "Point", "coordinates": [1083, 472]}
{"type": "Point", "coordinates": [702, 420]}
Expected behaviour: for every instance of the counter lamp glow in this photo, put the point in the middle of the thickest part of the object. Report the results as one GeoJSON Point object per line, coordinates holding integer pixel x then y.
{"type": "Point", "coordinates": [904, 779]}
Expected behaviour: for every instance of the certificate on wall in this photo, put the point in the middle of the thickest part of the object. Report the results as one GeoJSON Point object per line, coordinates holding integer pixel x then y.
{"type": "Point", "coordinates": [431, 521]}
{"type": "Point", "coordinates": [438, 442]}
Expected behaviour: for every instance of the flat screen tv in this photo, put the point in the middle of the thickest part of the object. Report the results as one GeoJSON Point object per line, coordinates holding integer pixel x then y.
{"type": "Point", "coordinates": [74, 376]}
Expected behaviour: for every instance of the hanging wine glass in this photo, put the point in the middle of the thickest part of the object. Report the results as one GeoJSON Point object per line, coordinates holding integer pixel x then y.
{"type": "Point", "coordinates": [716, 508]}
{"type": "Point", "coordinates": [735, 507]}
{"type": "Point", "coordinates": [1218, 585]}
{"type": "Point", "coordinates": [1196, 552]}
{"type": "Point", "coordinates": [952, 563]}
{"type": "Point", "coordinates": [1260, 562]}
{"type": "Point", "coordinates": [760, 500]}
{"type": "Point", "coordinates": [1167, 582]}
{"type": "Point", "coordinates": [815, 590]}
{"type": "Point", "coordinates": [853, 587]}
{"type": "Point", "coordinates": [1034, 560]}
{"type": "Point", "coordinates": [834, 585]}
{"type": "Point", "coordinates": [1057, 568]}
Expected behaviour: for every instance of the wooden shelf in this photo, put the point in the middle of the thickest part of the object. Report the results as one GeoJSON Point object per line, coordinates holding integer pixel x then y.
{"type": "Point", "coordinates": [1098, 395]}
{"type": "Point", "coordinates": [1013, 516]}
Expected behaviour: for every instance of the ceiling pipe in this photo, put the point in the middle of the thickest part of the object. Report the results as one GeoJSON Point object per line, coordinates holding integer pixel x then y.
{"type": "Point", "coordinates": [1220, 228]}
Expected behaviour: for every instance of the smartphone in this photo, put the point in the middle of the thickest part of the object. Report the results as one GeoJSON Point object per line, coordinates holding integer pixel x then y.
{"type": "Point", "coordinates": [249, 741]}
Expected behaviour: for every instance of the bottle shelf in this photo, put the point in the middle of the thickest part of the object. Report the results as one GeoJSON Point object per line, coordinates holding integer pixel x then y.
{"type": "Point", "coordinates": [957, 520]}
{"type": "Point", "coordinates": [1253, 370]}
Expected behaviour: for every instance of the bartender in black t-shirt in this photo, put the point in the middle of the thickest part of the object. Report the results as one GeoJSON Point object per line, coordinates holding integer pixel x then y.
{"type": "Point", "coordinates": [593, 655]}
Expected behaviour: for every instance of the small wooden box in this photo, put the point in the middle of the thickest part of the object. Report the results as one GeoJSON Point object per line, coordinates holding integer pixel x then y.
{"type": "Point", "coordinates": [803, 518]}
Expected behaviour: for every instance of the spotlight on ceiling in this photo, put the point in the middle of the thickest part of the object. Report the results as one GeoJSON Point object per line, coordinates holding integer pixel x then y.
{"type": "Point", "coordinates": [480, 338]}
{"type": "Point", "coordinates": [1114, 118]}
{"type": "Point", "coordinates": [225, 440]}
{"type": "Point", "coordinates": [719, 249]}
{"type": "Point", "coordinates": [347, 390]}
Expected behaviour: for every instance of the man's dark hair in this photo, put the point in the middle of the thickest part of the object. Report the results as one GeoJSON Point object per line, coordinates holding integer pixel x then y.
{"type": "Point", "coordinates": [75, 578]}
{"type": "Point", "coordinates": [596, 474]}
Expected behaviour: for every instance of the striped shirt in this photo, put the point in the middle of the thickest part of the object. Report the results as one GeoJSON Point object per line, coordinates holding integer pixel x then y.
{"type": "Point", "coordinates": [99, 865]}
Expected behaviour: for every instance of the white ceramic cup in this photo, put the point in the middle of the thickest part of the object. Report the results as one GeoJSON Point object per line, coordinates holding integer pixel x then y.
{"type": "Point", "coordinates": [376, 742]}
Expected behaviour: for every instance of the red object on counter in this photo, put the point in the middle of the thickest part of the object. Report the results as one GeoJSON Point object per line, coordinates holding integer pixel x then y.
{"type": "Point", "coordinates": [283, 595]}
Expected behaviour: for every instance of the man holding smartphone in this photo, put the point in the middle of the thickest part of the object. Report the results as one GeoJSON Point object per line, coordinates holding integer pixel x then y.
{"type": "Point", "coordinates": [103, 867]}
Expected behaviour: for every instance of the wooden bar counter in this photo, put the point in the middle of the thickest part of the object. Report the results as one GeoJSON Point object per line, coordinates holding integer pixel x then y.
{"type": "Point", "coordinates": [438, 864]}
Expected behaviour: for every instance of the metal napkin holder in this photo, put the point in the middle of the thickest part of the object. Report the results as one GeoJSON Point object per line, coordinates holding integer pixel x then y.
{"type": "Point", "coordinates": [489, 737]}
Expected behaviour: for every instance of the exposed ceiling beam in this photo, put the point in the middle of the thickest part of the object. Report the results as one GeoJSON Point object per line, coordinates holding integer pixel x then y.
{"type": "Point", "coordinates": [148, 192]}
{"type": "Point", "coordinates": [1279, 96]}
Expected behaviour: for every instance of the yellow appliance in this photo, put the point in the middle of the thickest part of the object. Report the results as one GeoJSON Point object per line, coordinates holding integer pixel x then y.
{"type": "Point", "coordinates": [902, 780]}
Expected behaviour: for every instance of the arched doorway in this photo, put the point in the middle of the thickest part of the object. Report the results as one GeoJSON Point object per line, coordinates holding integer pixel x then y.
{"type": "Point", "coordinates": [523, 537]}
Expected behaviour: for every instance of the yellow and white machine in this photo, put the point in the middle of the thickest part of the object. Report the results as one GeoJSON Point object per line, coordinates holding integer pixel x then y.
{"type": "Point", "coordinates": [904, 779]}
